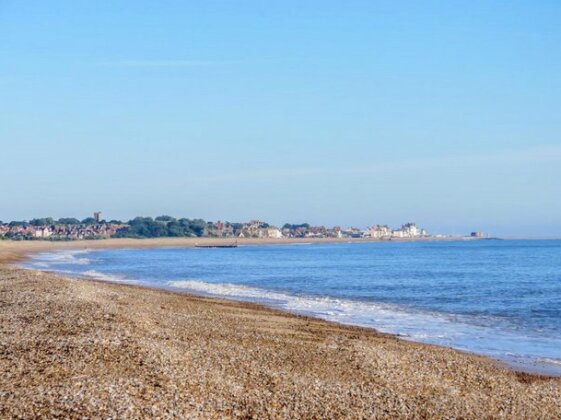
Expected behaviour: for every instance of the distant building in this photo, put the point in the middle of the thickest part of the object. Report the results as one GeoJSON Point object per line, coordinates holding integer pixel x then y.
{"type": "Point", "coordinates": [221, 229]}
{"type": "Point", "coordinates": [477, 235]}
{"type": "Point", "coordinates": [409, 230]}
{"type": "Point", "coordinates": [43, 232]}
{"type": "Point", "coordinates": [334, 232]}
{"type": "Point", "coordinates": [352, 232]}
{"type": "Point", "coordinates": [273, 232]}
{"type": "Point", "coordinates": [97, 216]}
{"type": "Point", "coordinates": [380, 232]}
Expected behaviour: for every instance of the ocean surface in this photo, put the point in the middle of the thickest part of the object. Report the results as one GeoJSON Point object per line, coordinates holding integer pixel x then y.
{"type": "Point", "coordinates": [497, 298]}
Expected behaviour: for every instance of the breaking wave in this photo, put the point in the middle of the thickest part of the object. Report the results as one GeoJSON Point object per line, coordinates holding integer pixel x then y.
{"type": "Point", "coordinates": [415, 325]}
{"type": "Point", "coordinates": [96, 275]}
{"type": "Point", "coordinates": [49, 259]}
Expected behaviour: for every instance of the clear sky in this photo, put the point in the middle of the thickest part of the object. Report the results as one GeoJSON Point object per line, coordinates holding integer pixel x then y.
{"type": "Point", "coordinates": [447, 113]}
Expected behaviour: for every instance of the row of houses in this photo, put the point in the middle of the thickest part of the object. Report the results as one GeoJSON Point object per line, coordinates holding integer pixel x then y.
{"type": "Point", "coordinates": [60, 232]}
{"type": "Point", "coordinates": [258, 229]}
{"type": "Point", "coordinates": [408, 230]}
{"type": "Point", "coordinates": [252, 229]}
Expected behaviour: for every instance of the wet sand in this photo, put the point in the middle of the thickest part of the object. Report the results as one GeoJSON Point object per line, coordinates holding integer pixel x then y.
{"type": "Point", "coordinates": [73, 348]}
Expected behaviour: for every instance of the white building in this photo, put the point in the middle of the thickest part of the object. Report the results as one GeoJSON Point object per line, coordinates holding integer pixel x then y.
{"type": "Point", "coordinates": [43, 232]}
{"type": "Point", "coordinates": [409, 230]}
{"type": "Point", "coordinates": [273, 233]}
{"type": "Point", "coordinates": [380, 232]}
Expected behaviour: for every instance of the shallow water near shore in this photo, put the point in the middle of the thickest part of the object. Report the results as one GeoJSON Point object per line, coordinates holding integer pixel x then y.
{"type": "Point", "coordinates": [497, 298]}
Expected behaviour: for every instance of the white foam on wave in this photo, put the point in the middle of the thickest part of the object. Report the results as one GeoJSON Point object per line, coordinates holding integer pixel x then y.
{"type": "Point", "coordinates": [415, 325]}
{"type": "Point", "coordinates": [227, 289]}
{"type": "Point", "coordinates": [556, 362]}
{"type": "Point", "coordinates": [40, 264]}
{"type": "Point", "coordinates": [57, 262]}
{"type": "Point", "coordinates": [386, 318]}
{"type": "Point", "coordinates": [114, 278]}
{"type": "Point", "coordinates": [48, 259]}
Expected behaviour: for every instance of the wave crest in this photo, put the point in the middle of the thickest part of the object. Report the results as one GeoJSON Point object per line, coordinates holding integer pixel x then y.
{"type": "Point", "coordinates": [48, 259]}
{"type": "Point", "coordinates": [96, 275]}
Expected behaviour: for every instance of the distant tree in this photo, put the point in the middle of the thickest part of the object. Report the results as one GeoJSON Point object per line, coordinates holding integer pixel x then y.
{"type": "Point", "coordinates": [198, 226]}
{"type": "Point", "coordinates": [165, 219]}
{"type": "Point", "coordinates": [292, 227]}
{"type": "Point", "coordinates": [140, 219]}
{"type": "Point", "coordinates": [143, 227]}
{"type": "Point", "coordinates": [184, 226]}
{"type": "Point", "coordinates": [176, 229]}
{"type": "Point", "coordinates": [42, 222]}
{"type": "Point", "coordinates": [17, 223]}
{"type": "Point", "coordinates": [146, 227]}
{"type": "Point", "coordinates": [115, 222]}
{"type": "Point", "coordinates": [68, 221]}
{"type": "Point", "coordinates": [89, 221]}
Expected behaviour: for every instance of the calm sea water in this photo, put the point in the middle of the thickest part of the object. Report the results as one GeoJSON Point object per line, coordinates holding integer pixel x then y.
{"type": "Point", "coordinates": [498, 298]}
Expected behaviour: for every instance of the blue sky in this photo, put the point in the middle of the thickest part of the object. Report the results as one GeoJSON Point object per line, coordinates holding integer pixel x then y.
{"type": "Point", "coordinates": [350, 113]}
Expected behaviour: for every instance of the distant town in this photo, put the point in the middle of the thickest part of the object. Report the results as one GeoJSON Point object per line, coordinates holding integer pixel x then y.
{"type": "Point", "coordinates": [96, 227]}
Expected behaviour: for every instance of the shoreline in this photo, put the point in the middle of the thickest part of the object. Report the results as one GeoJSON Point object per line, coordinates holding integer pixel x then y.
{"type": "Point", "coordinates": [13, 251]}
{"type": "Point", "coordinates": [22, 252]}
{"type": "Point", "coordinates": [538, 371]}
{"type": "Point", "coordinates": [91, 348]}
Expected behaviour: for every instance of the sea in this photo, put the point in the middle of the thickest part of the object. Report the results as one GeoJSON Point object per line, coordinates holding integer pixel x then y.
{"type": "Point", "coordinates": [499, 298]}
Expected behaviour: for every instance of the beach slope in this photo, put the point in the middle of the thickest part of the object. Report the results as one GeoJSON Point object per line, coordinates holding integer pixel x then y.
{"type": "Point", "coordinates": [74, 348]}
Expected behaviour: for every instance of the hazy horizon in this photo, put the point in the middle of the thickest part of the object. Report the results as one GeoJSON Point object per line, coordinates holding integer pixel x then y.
{"type": "Point", "coordinates": [361, 113]}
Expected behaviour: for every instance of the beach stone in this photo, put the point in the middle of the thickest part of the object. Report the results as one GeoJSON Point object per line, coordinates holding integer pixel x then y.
{"type": "Point", "coordinates": [85, 349]}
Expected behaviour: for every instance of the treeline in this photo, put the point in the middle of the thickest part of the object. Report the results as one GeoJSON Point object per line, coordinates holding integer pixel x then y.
{"type": "Point", "coordinates": [294, 227]}
{"type": "Point", "coordinates": [67, 221]}
{"type": "Point", "coordinates": [163, 226]}
{"type": "Point", "coordinates": [139, 227]}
